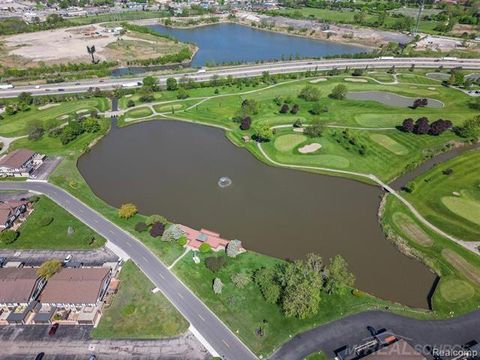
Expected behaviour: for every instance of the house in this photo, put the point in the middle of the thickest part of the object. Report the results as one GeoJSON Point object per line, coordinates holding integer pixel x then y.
{"type": "Point", "coordinates": [19, 286]}
{"type": "Point", "coordinates": [400, 350]}
{"type": "Point", "coordinates": [196, 238]}
{"type": "Point", "coordinates": [20, 163]}
{"type": "Point", "coordinates": [10, 211]}
{"type": "Point", "coordinates": [75, 288]}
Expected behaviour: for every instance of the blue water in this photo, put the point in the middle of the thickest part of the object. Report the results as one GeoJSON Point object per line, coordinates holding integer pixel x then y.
{"type": "Point", "coordinates": [221, 43]}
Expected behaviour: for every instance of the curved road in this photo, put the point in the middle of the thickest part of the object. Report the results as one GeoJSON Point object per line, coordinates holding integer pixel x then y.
{"type": "Point", "coordinates": [247, 71]}
{"type": "Point", "coordinates": [211, 328]}
{"type": "Point", "coordinates": [352, 329]}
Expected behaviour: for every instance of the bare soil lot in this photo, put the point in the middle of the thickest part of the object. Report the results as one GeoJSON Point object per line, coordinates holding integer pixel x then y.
{"type": "Point", "coordinates": [70, 45]}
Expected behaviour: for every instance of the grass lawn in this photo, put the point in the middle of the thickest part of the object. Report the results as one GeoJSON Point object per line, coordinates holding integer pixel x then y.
{"type": "Point", "coordinates": [15, 125]}
{"type": "Point", "coordinates": [137, 313]}
{"type": "Point", "coordinates": [35, 235]}
{"type": "Point", "coordinates": [256, 312]}
{"type": "Point", "coordinates": [451, 202]}
{"type": "Point", "coordinates": [458, 291]}
{"type": "Point", "coordinates": [138, 113]}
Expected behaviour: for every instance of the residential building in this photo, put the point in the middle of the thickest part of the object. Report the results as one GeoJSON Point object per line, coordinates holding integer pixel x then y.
{"type": "Point", "coordinates": [196, 238]}
{"type": "Point", "coordinates": [19, 286]}
{"type": "Point", "coordinates": [20, 163]}
{"type": "Point", "coordinates": [75, 288]}
{"type": "Point", "coordinates": [10, 211]}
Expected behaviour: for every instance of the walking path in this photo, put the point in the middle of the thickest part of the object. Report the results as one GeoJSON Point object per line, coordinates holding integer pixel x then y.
{"type": "Point", "coordinates": [7, 141]}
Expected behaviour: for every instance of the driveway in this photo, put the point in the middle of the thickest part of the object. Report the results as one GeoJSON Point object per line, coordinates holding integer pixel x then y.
{"type": "Point", "coordinates": [353, 329]}
{"type": "Point", "coordinates": [74, 342]}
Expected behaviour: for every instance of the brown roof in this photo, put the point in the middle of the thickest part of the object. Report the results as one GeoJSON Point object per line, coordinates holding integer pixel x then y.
{"type": "Point", "coordinates": [16, 158]}
{"type": "Point", "coordinates": [8, 208]}
{"type": "Point", "coordinates": [74, 286]}
{"type": "Point", "coordinates": [17, 284]}
{"type": "Point", "coordinates": [401, 350]}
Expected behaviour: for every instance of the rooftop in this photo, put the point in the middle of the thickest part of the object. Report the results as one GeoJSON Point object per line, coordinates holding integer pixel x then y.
{"type": "Point", "coordinates": [17, 284]}
{"type": "Point", "coordinates": [16, 159]}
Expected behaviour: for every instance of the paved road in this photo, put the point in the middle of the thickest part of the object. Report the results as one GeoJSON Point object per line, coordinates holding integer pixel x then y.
{"type": "Point", "coordinates": [215, 332]}
{"type": "Point", "coordinates": [351, 330]}
{"type": "Point", "coordinates": [247, 71]}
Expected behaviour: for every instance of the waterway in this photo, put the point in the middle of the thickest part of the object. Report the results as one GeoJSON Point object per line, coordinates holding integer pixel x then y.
{"type": "Point", "coordinates": [175, 170]}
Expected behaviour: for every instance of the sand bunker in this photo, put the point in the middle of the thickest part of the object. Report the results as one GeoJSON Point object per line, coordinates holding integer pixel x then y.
{"type": "Point", "coordinates": [299, 130]}
{"type": "Point", "coordinates": [306, 149]}
{"type": "Point", "coordinates": [317, 80]}
{"type": "Point", "coordinates": [47, 106]}
{"type": "Point", "coordinates": [356, 80]}
{"type": "Point", "coordinates": [432, 88]}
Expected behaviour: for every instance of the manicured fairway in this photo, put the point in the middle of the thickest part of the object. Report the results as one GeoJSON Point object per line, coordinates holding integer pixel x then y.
{"type": "Point", "coordinates": [466, 208]}
{"type": "Point", "coordinates": [411, 229]}
{"type": "Point", "coordinates": [138, 113]}
{"type": "Point", "coordinates": [167, 107]}
{"type": "Point", "coordinates": [470, 271]}
{"type": "Point", "coordinates": [454, 290]}
{"type": "Point", "coordinates": [390, 144]}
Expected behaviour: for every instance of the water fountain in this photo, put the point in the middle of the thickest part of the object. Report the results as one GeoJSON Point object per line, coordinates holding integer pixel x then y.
{"type": "Point", "coordinates": [224, 182]}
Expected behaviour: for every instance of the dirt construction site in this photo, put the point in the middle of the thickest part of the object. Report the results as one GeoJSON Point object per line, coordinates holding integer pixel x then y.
{"type": "Point", "coordinates": [70, 46]}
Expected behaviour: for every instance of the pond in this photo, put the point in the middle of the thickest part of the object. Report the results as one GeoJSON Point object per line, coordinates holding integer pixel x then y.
{"type": "Point", "coordinates": [174, 169]}
{"type": "Point", "coordinates": [230, 43]}
{"type": "Point", "coordinates": [390, 99]}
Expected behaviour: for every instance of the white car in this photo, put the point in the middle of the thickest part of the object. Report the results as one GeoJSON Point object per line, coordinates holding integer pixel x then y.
{"type": "Point", "coordinates": [67, 259]}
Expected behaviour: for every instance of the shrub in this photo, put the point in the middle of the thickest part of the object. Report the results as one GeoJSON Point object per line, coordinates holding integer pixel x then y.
{"type": "Point", "coordinates": [246, 123]}
{"type": "Point", "coordinates": [141, 226]}
{"type": "Point", "coordinates": [49, 268]}
{"type": "Point", "coordinates": [240, 280]}
{"type": "Point", "coordinates": [215, 263]}
{"type": "Point", "coordinates": [157, 229]}
{"type": "Point", "coordinates": [205, 248]}
{"type": "Point", "coordinates": [357, 72]}
{"type": "Point", "coordinates": [339, 92]}
{"type": "Point", "coordinates": [284, 109]}
{"type": "Point", "coordinates": [310, 93]}
{"type": "Point", "coordinates": [419, 103]}
{"type": "Point", "coordinates": [152, 219]}
{"type": "Point", "coordinates": [130, 103]}
{"type": "Point", "coordinates": [407, 125]}
{"type": "Point", "coordinates": [295, 109]}
{"type": "Point", "coordinates": [421, 126]}
{"type": "Point", "coordinates": [126, 211]}
{"type": "Point", "coordinates": [173, 232]}
{"type": "Point", "coordinates": [147, 98]}
{"type": "Point", "coordinates": [182, 241]}
{"type": "Point", "coordinates": [318, 108]}
{"type": "Point", "coordinates": [45, 221]}
{"type": "Point", "coordinates": [297, 123]}
{"type": "Point", "coordinates": [8, 236]}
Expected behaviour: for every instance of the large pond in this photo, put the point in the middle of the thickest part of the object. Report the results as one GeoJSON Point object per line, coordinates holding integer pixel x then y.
{"type": "Point", "coordinates": [173, 169]}
{"type": "Point", "coordinates": [222, 43]}
{"type": "Point", "coordinates": [389, 99]}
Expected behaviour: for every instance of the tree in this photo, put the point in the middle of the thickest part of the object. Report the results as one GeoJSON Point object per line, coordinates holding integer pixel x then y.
{"type": "Point", "coordinates": [217, 286]}
{"type": "Point", "coordinates": [310, 93]}
{"type": "Point", "coordinates": [262, 132]}
{"type": "Point", "coordinates": [130, 103]}
{"type": "Point", "coordinates": [91, 51]}
{"type": "Point", "coordinates": [295, 109]}
{"type": "Point", "coordinates": [35, 129]}
{"type": "Point", "coordinates": [302, 281]}
{"type": "Point", "coordinates": [233, 248]}
{"type": "Point", "coordinates": [150, 83]}
{"type": "Point", "coordinates": [470, 128]}
{"type": "Point", "coordinates": [157, 229]}
{"type": "Point", "coordinates": [439, 126]}
{"type": "Point", "coordinates": [173, 232]}
{"type": "Point", "coordinates": [357, 72]}
{"type": "Point", "coordinates": [338, 276]}
{"type": "Point", "coordinates": [8, 236]}
{"type": "Point", "coordinates": [284, 109]}
{"type": "Point", "coordinates": [266, 280]}
{"type": "Point", "coordinates": [421, 126]}
{"type": "Point", "coordinates": [128, 210]}
{"type": "Point", "coordinates": [339, 92]}
{"type": "Point", "coordinates": [408, 125]}
{"type": "Point", "coordinates": [419, 103]}
{"type": "Point", "coordinates": [156, 218]}
{"type": "Point", "coordinates": [249, 107]}
{"type": "Point", "coordinates": [205, 248]}
{"type": "Point", "coordinates": [71, 132]}
{"type": "Point", "coordinates": [182, 93]}
{"type": "Point", "coordinates": [172, 84]}
{"type": "Point", "coordinates": [25, 98]}
{"type": "Point", "coordinates": [215, 263]}
{"type": "Point", "coordinates": [315, 129]}
{"type": "Point", "coordinates": [91, 125]}
{"type": "Point", "coordinates": [49, 268]}
{"type": "Point", "coordinates": [297, 123]}
{"type": "Point", "coordinates": [246, 123]}
{"type": "Point", "coordinates": [240, 280]}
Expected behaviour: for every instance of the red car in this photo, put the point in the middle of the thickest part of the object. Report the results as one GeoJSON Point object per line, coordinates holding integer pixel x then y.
{"type": "Point", "coordinates": [53, 329]}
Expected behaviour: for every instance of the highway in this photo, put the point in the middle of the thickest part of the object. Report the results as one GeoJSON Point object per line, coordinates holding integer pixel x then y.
{"type": "Point", "coordinates": [213, 330]}
{"type": "Point", "coordinates": [245, 71]}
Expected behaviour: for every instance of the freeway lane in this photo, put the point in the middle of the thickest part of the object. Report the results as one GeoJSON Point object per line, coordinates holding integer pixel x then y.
{"type": "Point", "coordinates": [246, 71]}
{"type": "Point", "coordinates": [208, 325]}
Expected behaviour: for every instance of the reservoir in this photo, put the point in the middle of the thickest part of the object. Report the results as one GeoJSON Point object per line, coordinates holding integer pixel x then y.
{"type": "Point", "coordinates": [175, 169]}
{"type": "Point", "coordinates": [230, 43]}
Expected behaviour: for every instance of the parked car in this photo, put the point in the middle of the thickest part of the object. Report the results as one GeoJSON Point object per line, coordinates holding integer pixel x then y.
{"type": "Point", "coordinates": [92, 357]}
{"type": "Point", "coordinates": [40, 356]}
{"type": "Point", "coordinates": [67, 259]}
{"type": "Point", "coordinates": [3, 260]}
{"type": "Point", "coordinates": [53, 329]}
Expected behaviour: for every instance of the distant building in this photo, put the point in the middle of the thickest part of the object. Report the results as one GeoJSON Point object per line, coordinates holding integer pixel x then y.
{"type": "Point", "coordinates": [196, 238]}
{"type": "Point", "coordinates": [19, 286]}
{"type": "Point", "coordinates": [20, 163]}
